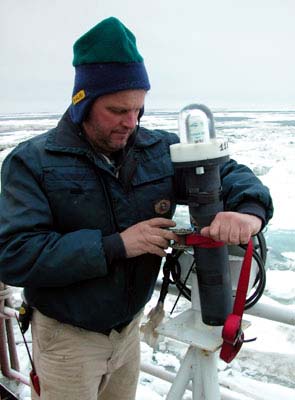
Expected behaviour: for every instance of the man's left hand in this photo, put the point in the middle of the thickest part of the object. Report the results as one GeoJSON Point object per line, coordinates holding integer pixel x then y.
{"type": "Point", "coordinates": [232, 227]}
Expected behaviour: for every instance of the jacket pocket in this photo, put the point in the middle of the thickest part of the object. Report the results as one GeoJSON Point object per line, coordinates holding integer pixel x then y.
{"type": "Point", "coordinates": [153, 188]}
{"type": "Point", "coordinates": [77, 199]}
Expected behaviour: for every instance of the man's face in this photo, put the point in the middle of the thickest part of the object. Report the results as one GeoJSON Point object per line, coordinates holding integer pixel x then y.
{"type": "Point", "coordinates": [112, 119]}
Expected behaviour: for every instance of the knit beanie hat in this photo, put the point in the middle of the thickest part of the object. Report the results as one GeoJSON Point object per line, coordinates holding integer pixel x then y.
{"type": "Point", "coordinates": [106, 60]}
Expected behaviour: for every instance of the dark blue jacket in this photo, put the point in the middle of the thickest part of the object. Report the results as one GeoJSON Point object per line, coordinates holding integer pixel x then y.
{"type": "Point", "coordinates": [62, 207]}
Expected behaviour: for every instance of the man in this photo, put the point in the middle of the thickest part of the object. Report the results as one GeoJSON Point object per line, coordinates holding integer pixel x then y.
{"type": "Point", "coordinates": [84, 226]}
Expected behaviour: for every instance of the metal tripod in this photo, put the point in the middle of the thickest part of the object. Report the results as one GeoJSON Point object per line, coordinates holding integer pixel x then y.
{"type": "Point", "coordinates": [200, 362]}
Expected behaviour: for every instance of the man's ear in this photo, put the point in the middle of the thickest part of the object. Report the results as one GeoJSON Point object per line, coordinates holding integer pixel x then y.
{"type": "Point", "coordinates": [141, 112]}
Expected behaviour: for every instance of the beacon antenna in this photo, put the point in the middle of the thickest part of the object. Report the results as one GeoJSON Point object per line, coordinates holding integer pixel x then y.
{"type": "Point", "coordinates": [198, 139]}
{"type": "Point", "coordinates": [196, 122]}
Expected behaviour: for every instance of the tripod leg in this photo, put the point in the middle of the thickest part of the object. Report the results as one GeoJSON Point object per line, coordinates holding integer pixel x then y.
{"type": "Point", "coordinates": [183, 376]}
{"type": "Point", "coordinates": [200, 366]}
{"type": "Point", "coordinates": [205, 376]}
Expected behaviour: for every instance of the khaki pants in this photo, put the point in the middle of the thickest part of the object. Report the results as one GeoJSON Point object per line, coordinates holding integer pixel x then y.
{"type": "Point", "coordinates": [75, 364]}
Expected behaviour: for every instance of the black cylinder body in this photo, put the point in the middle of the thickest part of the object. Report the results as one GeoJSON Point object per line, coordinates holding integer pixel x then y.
{"type": "Point", "coordinates": [204, 198]}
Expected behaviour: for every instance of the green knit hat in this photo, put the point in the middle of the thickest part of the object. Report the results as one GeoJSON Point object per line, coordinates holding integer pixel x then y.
{"type": "Point", "coordinates": [106, 61]}
{"type": "Point", "coordinates": [109, 41]}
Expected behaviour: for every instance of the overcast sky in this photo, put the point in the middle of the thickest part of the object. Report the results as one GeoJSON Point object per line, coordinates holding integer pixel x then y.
{"type": "Point", "coordinates": [224, 53]}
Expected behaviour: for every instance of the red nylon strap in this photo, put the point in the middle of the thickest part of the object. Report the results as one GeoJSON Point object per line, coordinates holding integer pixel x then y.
{"type": "Point", "coordinates": [243, 281]}
{"type": "Point", "coordinates": [35, 382]}
{"type": "Point", "coordinates": [195, 239]}
{"type": "Point", "coordinates": [232, 334]}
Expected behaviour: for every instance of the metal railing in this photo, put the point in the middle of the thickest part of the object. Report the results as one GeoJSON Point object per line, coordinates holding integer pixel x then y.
{"type": "Point", "coordinates": [9, 362]}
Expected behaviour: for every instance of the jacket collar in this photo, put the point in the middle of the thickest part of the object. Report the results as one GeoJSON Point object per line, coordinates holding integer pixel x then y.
{"type": "Point", "coordinates": [67, 137]}
{"type": "Point", "coordinates": [145, 138]}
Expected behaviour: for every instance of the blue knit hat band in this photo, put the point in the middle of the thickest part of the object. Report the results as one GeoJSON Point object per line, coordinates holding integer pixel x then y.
{"type": "Point", "coordinates": [94, 80]}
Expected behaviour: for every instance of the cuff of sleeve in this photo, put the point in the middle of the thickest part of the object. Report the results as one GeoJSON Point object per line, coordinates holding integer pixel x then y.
{"type": "Point", "coordinates": [253, 208]}
{"type": "Point", "coordinates": [113, 247]}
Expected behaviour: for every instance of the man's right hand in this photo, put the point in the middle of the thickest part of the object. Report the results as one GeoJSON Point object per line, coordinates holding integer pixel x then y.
{"type": "Point", "coordinates": [151, 236]}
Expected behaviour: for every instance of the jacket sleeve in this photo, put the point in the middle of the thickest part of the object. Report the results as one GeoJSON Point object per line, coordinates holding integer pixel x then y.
{"type": "Point", "coordinates": [32, 253]}
{"type": "Point", "coordinates": [244, 192]}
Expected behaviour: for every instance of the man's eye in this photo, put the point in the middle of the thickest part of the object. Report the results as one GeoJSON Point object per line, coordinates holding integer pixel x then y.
{"type": "Point", "coordinates": [118, 111]}
{"type": "Point", "coordinates": [121, 111]}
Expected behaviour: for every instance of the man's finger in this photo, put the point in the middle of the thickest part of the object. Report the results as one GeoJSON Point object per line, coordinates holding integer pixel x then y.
{"type": "Point", "coordinates": [205, 231]}
{"type": "Point", "coordinates": [159, 241]}
{"type": "Point", "coordinates": [161, 222]}
{"type": "Point", "coordinates": [245, 235]}
{"type": "Point", "coordinates": [156, 250]}
{"type": "Point", "coordinates": [165, 233]}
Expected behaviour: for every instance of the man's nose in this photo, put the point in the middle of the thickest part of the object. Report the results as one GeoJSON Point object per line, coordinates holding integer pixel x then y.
{"type": "Point", "coordinates": [130, 119]}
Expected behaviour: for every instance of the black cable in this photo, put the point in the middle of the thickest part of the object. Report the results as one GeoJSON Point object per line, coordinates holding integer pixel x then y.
{"type": "Point", "coordinates": [171, 259]}
{"type": "Point", "coordinates": [260, 281]}
{"type": "Point", "coordinates": [181, 286]}
{"type": "Point", "coordinates": [259, 255]}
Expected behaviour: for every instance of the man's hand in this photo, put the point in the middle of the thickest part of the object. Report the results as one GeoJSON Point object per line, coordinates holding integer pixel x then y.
{"type": "Point", "coordinates": [232, 227]}
{"type": "Point", "coordinates": [148, 237]}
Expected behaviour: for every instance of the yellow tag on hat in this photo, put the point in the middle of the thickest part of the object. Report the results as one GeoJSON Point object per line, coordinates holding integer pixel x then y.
{"type": "Point", "coordinates": [79, 96]}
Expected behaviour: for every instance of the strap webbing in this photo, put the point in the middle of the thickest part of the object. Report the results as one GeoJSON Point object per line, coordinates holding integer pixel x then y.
{"type": "Point", "coordinates": [232, 334]}
{"type": "Point", "coordinates": [195, 239]}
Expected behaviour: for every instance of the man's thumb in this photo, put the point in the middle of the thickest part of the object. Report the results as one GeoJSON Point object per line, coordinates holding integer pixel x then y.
{"type": "Point", "coordinates": [205, 231]}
